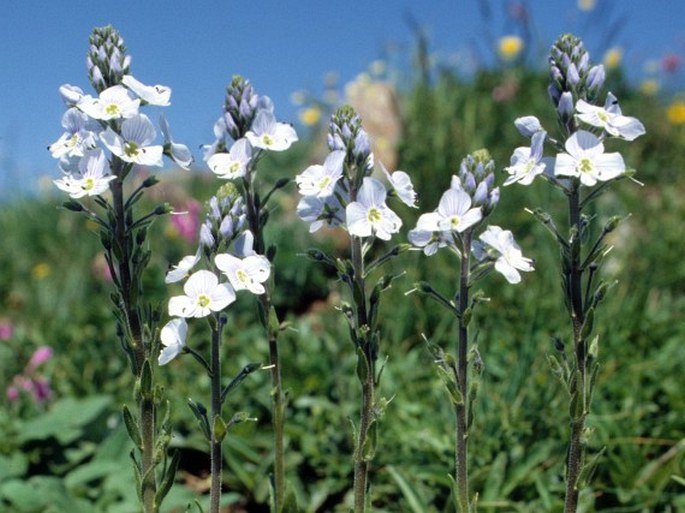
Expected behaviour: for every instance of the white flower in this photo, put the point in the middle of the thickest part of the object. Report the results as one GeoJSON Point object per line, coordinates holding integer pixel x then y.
{"type": "Point", "coordinates": [92, 179]}
{"type": "Point", "coordinates": [245, 273]}
{"type": "Point", "coordinates": [220, 134]}
{"type": "Point", "coordinates": [610, 119]}
{"type": "Point", "coordinates": [401, 184]}
{"type": "Point", "coordinates": [181, 270]}
{"type": "Point", "coordinates": [178, 152]}
{"type": "Point", "coordinates": [267, 134]}
{"type": "Point", "coordinates": [585, 159]}
{"type": "Point", "coordinates": [234, 163]}
{"type": "Point", "coordinates": [424, 237]}
{"type": "Point", "coordinates": [70, 94]}
{"type": "Point", "coordinates": [454, 213]}
{"type": "Point", "coordinates": [510, 260]}
{"type": "Point", "coordinates": [154, 95]}
{"type": "Point", "coordinates": [369, 215]}
{"type": "Point", "coordinates": [113, 103]}
{"type": "Point", "coordinates": [527, 163]}
{"type": "Point", "coordinates": [320, 180]}
{"type": "Point", "coordinates": [173, 338]}
{"type": "Point", "coordinates": [203, 295]}
{"type": "Point", "coordinates": [320, 211]}
{"type": "Point", "coordinates": [134, 143]}
{"type": "Point", "coordinates": [77, 138]}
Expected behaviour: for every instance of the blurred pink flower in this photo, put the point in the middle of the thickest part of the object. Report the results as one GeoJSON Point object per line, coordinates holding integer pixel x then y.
{"type": "Point", "coordinates": [41, 389]}
{"type": "Point", "coordinates": [671, 62]}
{"type": "Point", "coordinates": [187, 224]}
{"type": "Point", "coordinates": [101, 269]}
{"type": "Point", "coordinates": [6, 330]}
{"type": "Point", "coordinates": [39, 357]}
{"type": "Point", "coordinates": [12, 393]}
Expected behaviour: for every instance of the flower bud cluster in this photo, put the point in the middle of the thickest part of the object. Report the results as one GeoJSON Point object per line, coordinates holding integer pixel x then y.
{"type": "Point", "coordinates": [346, 133]}
{"type": "Point", "coordinates": [571, 76]}
{"type": "Point", "coordinates": [477, 178]}
{"type": "Point", "coordinates": [225, 219]}
{"type": "Point", "coordinates": [240, 107]}
{"type": "Point", "coordinates": [107, 59]}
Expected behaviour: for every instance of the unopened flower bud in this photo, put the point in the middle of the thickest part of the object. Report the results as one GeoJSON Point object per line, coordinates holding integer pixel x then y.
{"type": "Point", "coordinates": [528, 126]}
{"type": "Point", "coordinates": [565, 107]}
{"type": "Point", "coordinates": [240, 107]}
{"type": "Point", "coordinates": [107, 60]}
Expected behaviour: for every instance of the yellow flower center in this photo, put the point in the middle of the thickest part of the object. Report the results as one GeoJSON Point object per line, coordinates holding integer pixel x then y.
{"type": "Point", "coordinates": [603, 116]}
{"type": "Point", "coordinates": [203, 300]}
{"type": "Point", "coordinates": [585, 166]}
{"type": "Point", "coordinates": [112, 109]}
{"type": "Point", "coordinates": [374, 215]}
{"type": "Point", "coordinates": [233, 168]}
{"type": "Point", "coordinates": [325, 181]}
{"type": "Point", "coordinates": [73, 141]}
{"type": "Point", "coordinates": [242, 276]}
{"type": "Point", "coordinates": [267, 140]}
{"type": "Point", "coordinates": [88, 184]}
{"type": "Point", "coordinates": [131, 149]}
{"type": "Point", "coordinates": [455, 221]}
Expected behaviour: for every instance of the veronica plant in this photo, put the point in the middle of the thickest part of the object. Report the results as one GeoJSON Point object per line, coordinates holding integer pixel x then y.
{"type": "Point", "coordinates": [341, 193]}
{"type": "Point", "coordinates": [581, 169]}
{"type": "Point", "coordinates": [243, 134]}
{"type": "Point", "coordinates": [228, 264]}
{"type": "Point", "coordinates": [107, 141]}
{"type": "Point", "coordinates": [458, 226]}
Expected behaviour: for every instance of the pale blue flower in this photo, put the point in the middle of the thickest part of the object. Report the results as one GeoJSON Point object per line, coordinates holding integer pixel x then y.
{"type": "Point", "coordinates": [268, 134]}
{"type": "Point", "coordinates": [610, 118]}
{"type": "Point", "coordinates": [234, 163]}
{"type": "Point", "coordinates": [527, 163]}
{"type": "Point", "coordinates": [135, 142]}
{"type": "Point", "coordinates": [92, 179]}
{"type": "Point", "coordinates": [244, 273]}
{"type": "Point", "coordinates": [454, 213]}
{"type": "Point", "coordinates": [320, 180]}
{"type": "Point", "coordinates": [78, 137]}
{"type": "Point", "coordinates": [154, 95]}
{"type": "Point", "coordinates": [585, 159]}
{"type": "Point", "coordinates": [401, 184]}
{"type": "Point", "coordinates": [369, 215]}
{"type": "Point", "coordinates": [173, 338]}
{"type": "Point", "coordinates": [203, 295]}
{"type": "Point", "coordinates": [508, 258]}
{"type": "Point", "coordinates": [115, 102]}
{"type": "Point", "coordinates": [177, 151]}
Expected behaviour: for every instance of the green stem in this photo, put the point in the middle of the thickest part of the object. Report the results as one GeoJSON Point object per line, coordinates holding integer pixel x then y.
{"type": "Point", "coordinates": [361, 462]}
{"type": "Point", "coordinates": [216, 463]}
{"type": "Point", "coordinates": [147, 406]}
{"type": "Point", "coordinates": [461, 466]}
{"type": "Point", "coordinates": [576, 447]}
{"type": "Point", "coordinates": [277, 398]}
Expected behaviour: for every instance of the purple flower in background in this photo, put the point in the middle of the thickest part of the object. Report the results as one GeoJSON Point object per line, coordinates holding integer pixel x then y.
{"type": "Point", "coordinates": [187, 221]}
{"type": "Point", "coordinates": [6, 330]}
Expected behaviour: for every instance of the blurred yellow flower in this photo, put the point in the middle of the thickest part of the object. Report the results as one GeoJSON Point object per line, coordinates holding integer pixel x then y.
{"type": "Point", "coordinates": [586, 5]}
{"type": "Point", "coordinates": [510, 47]}
{"type": "Point", "coordinates": [40, 271]}
{"type": "Point", "coordinates": [310, 116]}
{"type": "Point", "coordinates": [377, 67]}
{"type": "Point", "coordinates": [649, 87]}
{"type": "Point", "coordinates": [613, 57]}
{"type": "Point", "coordinates": [676, 112]}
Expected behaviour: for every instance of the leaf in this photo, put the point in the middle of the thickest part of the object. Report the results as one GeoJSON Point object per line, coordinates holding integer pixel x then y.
{"type": "Point", "coordinates": [132, 427]}
{"type": "Point", "coordinates": [219, 429]}
{"type": "Point", "coordinates": [67, 421]}
{"type": "Point", "coordinates": [408, 492]}
{"type": "Point", "coordinates": [168, 479]}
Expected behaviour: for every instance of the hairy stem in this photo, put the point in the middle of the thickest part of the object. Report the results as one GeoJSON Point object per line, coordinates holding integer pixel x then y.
{"type": "Point", "coordinates": [216, 463]}
{"type": "Point", "coordinates": [576, 447]}
{"type": "Point", "coordinates": [278, 403]}
{"type": "Point", "coordinates": [130, 312]}
{"type": "Point", "coordinates": [361, 463]}
{"type": "Point", "coordinates": [461, 468]}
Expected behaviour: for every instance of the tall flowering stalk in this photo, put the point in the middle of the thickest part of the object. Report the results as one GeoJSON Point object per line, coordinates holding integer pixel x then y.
{"type": "Point", "coordinates": [581, 169]}
{"type": "Point", "coordinates": [454, 225]}
{"type": "Point", "coordinates": [230, 264]}
{"type": "Point", "coordinates": [246, 130]}
{"type": "Point", "coordinates": [341, 193]}
{"type": "Point", "coordinates": [107, 139]}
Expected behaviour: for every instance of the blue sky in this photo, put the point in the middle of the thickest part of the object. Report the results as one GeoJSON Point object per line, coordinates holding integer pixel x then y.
{"type": "Point", "coordinates": [195, 48]}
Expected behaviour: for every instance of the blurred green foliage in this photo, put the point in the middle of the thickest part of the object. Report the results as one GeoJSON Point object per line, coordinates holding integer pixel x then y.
{"type": "Point", "coordinates": [72, 455]}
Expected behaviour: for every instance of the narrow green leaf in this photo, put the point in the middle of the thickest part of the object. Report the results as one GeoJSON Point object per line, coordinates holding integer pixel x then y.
{"type": "Point", "coordinates": [416, 505]}
{"type": "Point", "coordinates": [168, 478]}
{"type": "Point", "coordinates": [362, 366]}
{"type": "Point", "coordinates": [132, 428]}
